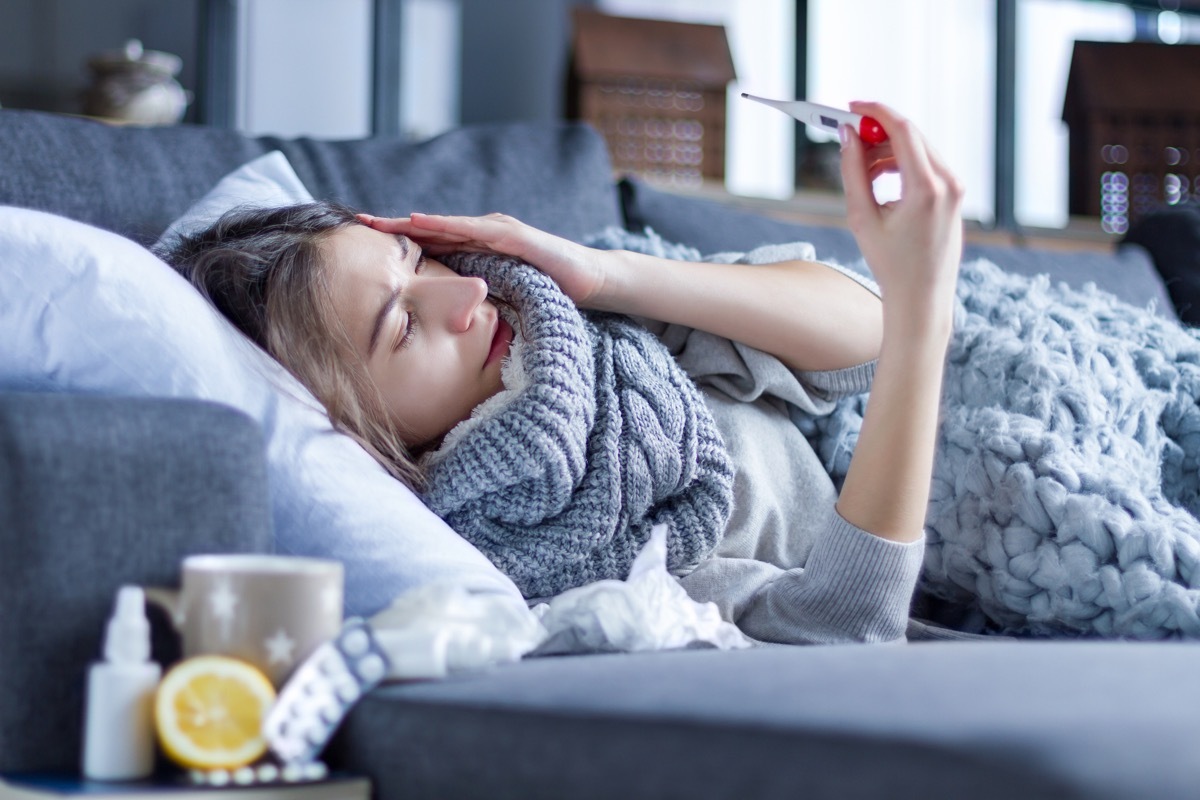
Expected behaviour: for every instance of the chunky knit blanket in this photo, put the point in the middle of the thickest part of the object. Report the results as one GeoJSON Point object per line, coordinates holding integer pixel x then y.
{"type": "Point", "coordinates": [1065, 490]}
{"type": "Point", "coordinates": [1066, 486]}
{"type": "Point", "coordinates": [597, 437]}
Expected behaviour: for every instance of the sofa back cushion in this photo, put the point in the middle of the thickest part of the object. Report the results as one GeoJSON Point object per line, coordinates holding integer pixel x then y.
{"type": "Point", "coordinates": [135, 181]}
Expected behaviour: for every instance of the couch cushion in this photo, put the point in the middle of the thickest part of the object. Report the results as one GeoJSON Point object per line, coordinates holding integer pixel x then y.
{"type": "Point", "coordinates": [998, 719]}
{"type": "Point", "coordinates": [1172, 237]}
{"type": "Point", "coordinates": [135, 181]}
{"type": "Point", "coordinates": [1127, 272]}
{"type": "Point", "coordinates": [713, 227]}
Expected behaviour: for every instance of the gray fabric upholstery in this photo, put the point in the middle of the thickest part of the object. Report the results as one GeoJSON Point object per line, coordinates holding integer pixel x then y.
{"type": "Point", "coordinates": [949, 719]}
{"type": "Point", "coordinates": [136, 181]}
{"type": "Point", "coordinates": [96, 492]}
{"type": "Point", "coordinates": [710, 227]}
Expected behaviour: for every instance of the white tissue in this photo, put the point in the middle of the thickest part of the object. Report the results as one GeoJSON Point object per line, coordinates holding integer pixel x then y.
{"type": "Point", "coordinates": [439, 629]}
{"type": "Point", "coordinates": [647, 611]}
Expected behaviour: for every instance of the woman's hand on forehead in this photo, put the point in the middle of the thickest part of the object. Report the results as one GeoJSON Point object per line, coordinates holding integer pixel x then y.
{"type": "Point", "coordinates": [578, 270]}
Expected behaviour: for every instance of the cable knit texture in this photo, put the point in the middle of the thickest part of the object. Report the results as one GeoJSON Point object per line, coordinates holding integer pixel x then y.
{"type": "Point", "coordinates": [559, 479]}
{"type": "Point", "coordinates": [1065, 487]}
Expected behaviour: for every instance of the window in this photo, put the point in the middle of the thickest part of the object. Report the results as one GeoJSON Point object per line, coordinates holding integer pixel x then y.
{"type": "Point", "coordinates": [932, 60]}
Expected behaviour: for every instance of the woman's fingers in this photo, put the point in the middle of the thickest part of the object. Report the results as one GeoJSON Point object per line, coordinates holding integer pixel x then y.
{"type": "Point", "coordinates": [442, 233]}
{"type": "Point", "coordinates": [882, 166]}
{"type": "Point", "coordinates": [908, 145]}
{"type": "Point", "coordinates": [924, 176]}
{"type": "Point", "coordinates": [861, 208]}
{"type": "Point", "coordinates": [945, 173]}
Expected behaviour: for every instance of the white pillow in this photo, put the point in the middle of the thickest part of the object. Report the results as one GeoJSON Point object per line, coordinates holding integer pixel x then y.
{"type": "Point", "coordinates": [266, 182]}
{"type": "Point", "coordinates": [86, 310]}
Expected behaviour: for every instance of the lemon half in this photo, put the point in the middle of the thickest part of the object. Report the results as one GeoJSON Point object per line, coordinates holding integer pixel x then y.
{"type": "Point", "coordinates": [209, 712]}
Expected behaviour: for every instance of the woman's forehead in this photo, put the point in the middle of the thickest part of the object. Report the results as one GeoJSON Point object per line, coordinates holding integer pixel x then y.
{"type": "Point", "coordinates": [364, 252]}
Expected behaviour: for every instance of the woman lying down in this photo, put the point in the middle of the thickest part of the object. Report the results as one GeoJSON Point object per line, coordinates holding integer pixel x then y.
{"type": "Point", "coordinates": [553, 402]}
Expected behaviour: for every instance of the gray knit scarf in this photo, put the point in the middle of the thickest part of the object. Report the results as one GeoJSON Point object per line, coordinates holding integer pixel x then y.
{"type": "Point", "coordinates": [598, 436]}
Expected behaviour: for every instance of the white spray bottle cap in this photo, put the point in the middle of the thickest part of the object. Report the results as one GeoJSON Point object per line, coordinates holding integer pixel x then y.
{"type": "Point", "coordinates": [128, 637]}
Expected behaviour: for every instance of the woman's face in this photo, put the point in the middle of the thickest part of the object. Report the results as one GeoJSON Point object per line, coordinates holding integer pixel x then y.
{"type": "Point", "coordinates": [430, 338]}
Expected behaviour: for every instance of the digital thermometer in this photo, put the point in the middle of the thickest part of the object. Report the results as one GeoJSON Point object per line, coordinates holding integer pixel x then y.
{"type": "Point", "coordinates": [827, 118]}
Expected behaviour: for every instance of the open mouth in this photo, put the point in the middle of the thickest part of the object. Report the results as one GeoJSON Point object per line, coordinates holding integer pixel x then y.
{"type": "Point", "coordinates": [501, 340]}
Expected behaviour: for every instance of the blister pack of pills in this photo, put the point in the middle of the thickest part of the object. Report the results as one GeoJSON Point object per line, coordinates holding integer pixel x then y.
{"type": "Point", "coordinates": [322, 691]}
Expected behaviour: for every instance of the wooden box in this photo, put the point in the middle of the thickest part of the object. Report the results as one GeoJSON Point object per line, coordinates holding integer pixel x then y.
{"type": "Point", "coordinates": [655, 90]}
{"type": "Point", "coordinates": [1134, 114]}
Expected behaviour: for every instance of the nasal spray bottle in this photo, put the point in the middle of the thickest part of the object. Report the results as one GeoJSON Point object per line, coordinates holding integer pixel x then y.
{"type": "Point", "coordinates": [119, 731]}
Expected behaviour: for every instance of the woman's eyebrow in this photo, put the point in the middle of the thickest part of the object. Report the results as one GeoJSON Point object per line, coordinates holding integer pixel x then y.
{"type": "Point", "coordinates": [406, 248]}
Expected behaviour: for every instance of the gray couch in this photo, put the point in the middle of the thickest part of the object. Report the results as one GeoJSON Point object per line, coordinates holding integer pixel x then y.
{"type": "Point", "coordinates": [100, 491]}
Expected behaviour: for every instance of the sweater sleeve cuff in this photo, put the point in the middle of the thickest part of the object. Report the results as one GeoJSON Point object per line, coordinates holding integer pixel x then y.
{"type": "Point", "coordinates": [867, 581]}
{"type": "Point", "coordinates": [834, 383]}
{"type": "Point", "coordinates": [856, 587]}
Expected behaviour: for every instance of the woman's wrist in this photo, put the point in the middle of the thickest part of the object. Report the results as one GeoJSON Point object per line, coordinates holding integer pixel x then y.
{"type": "Point", "coordinates": [614, 270]}
{"type": "Point", "coordinates": [916, 325]}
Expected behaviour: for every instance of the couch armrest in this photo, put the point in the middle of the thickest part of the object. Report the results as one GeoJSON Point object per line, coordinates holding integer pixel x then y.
{"type": "Point", "coordinates": [96, 492]}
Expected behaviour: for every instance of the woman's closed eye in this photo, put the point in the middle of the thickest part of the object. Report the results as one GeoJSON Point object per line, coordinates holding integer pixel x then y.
{"type": "Point", "coordinates": [409, 325]}
{"type": "Point", "coordinates": [407, 329]}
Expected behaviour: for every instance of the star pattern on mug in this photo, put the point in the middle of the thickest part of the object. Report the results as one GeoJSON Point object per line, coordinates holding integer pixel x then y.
{"type": "Point", "coordinates": [331, 598]}
{"type": "Point", "coordinates": [280, 647]}
{"type": "Point", "coordinates": [223, 601]}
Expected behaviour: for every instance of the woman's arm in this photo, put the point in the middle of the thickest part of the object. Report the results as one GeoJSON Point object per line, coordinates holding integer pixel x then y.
{"type": "Point", "coordinates": [914, 246]}
{"type": "Point", "coordinates": [808, 315]}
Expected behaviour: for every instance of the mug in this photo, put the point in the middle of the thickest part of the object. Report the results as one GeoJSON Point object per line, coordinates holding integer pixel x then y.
{"type": "Point", "coordinates": [272, 611]}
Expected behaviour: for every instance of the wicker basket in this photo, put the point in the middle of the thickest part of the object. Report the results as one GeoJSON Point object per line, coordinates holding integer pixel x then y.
{"type": "Point", "coordinates": [656, 91]}
{"type": "Point", "coordinates": [1134, 114]}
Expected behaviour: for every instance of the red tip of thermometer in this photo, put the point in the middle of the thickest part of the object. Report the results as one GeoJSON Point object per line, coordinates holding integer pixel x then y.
{"type": "Point", "coordinates": [827, 118]}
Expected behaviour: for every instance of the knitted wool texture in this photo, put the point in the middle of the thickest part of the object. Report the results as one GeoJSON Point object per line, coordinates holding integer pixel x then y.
{"type": "Point", "coordinates": [559, 480]}
{"type": "Point", "coordinates": [1065, 486]}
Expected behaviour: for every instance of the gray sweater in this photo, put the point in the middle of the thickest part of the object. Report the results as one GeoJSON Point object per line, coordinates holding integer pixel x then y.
{"type": "Point", "coordinates": [789, 568]}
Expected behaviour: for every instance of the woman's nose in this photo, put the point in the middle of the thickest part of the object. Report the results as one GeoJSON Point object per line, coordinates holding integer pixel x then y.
{"type": "Point", "coordinates": [454, 298]}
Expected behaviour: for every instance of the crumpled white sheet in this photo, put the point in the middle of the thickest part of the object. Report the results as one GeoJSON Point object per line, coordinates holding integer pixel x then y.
{"type": "Point", "coordinates": [436, 630]}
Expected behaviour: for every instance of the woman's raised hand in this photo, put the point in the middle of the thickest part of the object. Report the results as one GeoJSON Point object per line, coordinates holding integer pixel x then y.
{"type": "Point", "coordinates": [913, 245]}
{"type": "Point", "coordinates": [577, 270]}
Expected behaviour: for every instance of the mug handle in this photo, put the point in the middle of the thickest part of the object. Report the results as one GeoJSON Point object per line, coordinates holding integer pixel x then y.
{"type": "Point", "coordinates": [169, 601]}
